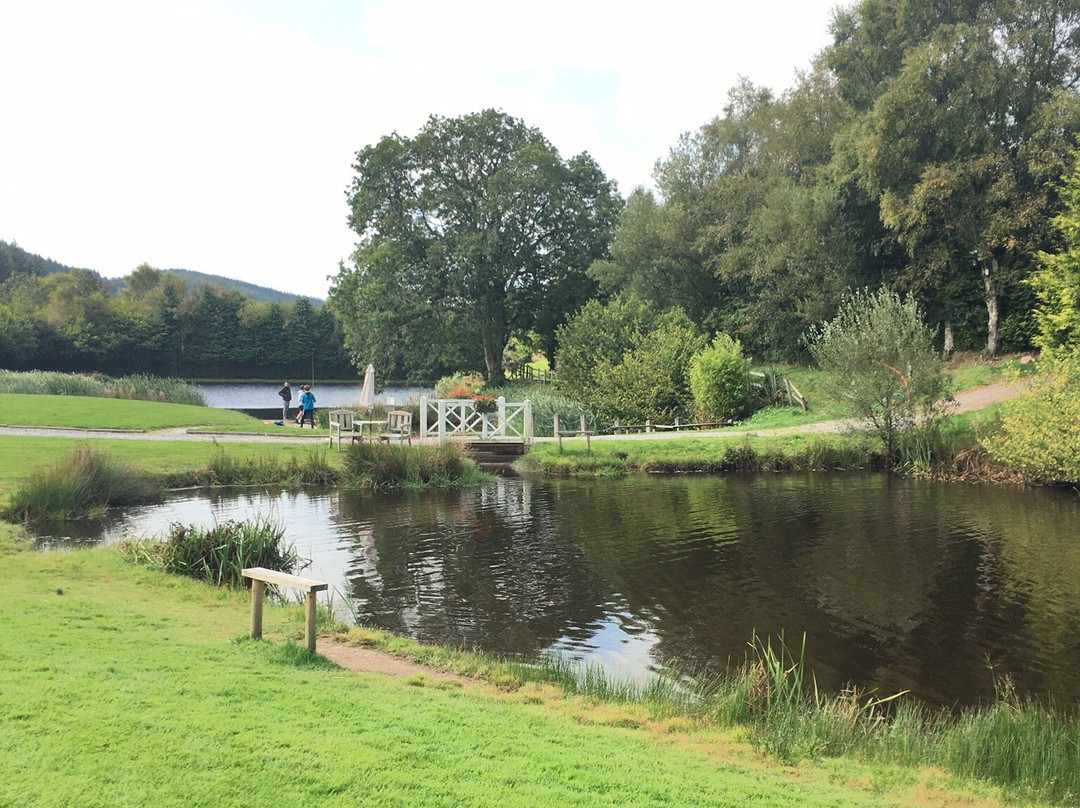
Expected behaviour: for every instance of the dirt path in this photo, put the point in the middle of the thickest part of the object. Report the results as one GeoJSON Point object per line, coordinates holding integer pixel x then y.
{"type": "Point", "coordinates": [369, 660]}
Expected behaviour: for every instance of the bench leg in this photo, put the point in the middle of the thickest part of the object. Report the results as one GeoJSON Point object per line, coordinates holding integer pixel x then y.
{"type": "Point", "coordinates": [309, 628]}
{"type": "Point", "coordinates": [258, 591]}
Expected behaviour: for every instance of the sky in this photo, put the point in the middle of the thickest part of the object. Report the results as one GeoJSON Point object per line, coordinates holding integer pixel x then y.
{"type": "Point", "coordinates": [219, 135]}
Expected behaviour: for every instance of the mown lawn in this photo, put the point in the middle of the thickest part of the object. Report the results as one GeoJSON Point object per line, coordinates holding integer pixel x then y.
{"type": "Point", "coordinates": [85, 412]}
{"type": "Point", "coordinates": [121, 686]}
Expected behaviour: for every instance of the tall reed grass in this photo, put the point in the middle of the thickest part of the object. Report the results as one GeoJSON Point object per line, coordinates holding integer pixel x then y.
{"type": "Point", "coordinates": [218, 554]}
{"type": "Point", "coordinates": [226, 469]}
{"type": "Point", "coordinates": [84, 486]}
{"type": "Point", "coordinates": [384, 465]}
{"type": "Point", "coordinates": [141, 387]}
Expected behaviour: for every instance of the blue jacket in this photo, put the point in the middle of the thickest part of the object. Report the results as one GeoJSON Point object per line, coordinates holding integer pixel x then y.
{"type": "Point", "coordinates": [307, 401]}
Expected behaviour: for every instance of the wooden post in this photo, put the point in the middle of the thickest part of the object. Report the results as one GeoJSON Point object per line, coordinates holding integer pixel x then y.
{"type": "Point", "coordinates": [676, 424]}
{"type": "Point", "coordinates": [648, 425]}
{"type": "Point", "coordinates": [258, 591]}
{"type": "Point", "coordinates": [617, 429]}
{"type": "Point", "coordinates": [584, 423]}
{"type": "Point", "coordinates": [309, 626]}
{"type": "Point", "coordinates": [558, 434]}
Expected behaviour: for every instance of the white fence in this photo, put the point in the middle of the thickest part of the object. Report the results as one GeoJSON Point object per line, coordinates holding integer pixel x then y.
{"type": "Point", "coordinates": [457, 418]}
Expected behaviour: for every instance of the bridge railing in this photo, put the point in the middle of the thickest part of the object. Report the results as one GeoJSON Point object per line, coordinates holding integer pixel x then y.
{"type": "Point", "coordinates": [458, 418]}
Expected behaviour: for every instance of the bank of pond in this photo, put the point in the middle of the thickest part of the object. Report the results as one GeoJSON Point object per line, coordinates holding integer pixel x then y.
{"type": "Point", "coordinates": [797, 604]}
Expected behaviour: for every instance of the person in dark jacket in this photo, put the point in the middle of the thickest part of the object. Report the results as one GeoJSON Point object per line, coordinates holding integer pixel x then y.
{"type": "Point", "coordinates": [286, 398]}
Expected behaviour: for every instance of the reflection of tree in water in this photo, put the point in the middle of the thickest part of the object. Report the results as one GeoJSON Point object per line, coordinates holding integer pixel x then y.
{"type": "Point", "coordinates": [483, 568]}
{"type": "Point", "coordinates": [897, 584]}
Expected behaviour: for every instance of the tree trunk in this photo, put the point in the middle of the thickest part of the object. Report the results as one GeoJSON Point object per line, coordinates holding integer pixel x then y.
{"type": "Point", "coordinates": [992, 310]}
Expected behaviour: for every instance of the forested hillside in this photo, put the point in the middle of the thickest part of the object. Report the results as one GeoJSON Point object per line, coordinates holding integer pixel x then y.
{"type": "Point", "coordinates": [73, 321]}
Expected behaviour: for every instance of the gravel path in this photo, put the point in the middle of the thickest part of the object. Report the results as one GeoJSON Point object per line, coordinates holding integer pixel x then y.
{"type": "Point", "coordinates": [967, 400]}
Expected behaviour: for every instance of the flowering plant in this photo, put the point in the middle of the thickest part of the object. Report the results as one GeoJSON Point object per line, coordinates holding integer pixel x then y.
{"type": "Point", "coordinates": [485, 404]}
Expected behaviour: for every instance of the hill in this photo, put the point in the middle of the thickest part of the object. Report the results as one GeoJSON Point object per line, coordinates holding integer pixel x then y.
{"type": "Point", "coordinates": [14, 258]}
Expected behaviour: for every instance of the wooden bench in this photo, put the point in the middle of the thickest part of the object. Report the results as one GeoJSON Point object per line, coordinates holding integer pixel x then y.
{"type": "Point", "coordinates": [260, 577]}
{"type": "Point", "coordinates": [571, 433]}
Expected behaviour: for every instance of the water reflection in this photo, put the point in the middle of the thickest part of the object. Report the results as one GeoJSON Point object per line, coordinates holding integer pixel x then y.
{"type": "Point", "coordinates": [897, 584]}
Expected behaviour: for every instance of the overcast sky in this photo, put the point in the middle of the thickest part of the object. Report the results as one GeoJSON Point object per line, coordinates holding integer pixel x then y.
{"type": "Point", "coordinates": [218, 135]}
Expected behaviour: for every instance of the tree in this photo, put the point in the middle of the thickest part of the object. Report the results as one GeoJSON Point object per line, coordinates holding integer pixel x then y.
{"type": "Point", "coordinates": [879, 357]}
{"type": "Point", "coordinates": [1057, 280]}
{"type": "Point", "coordinates": [482, 229]}
{"type": "Point", "coordinates": [959, 140]}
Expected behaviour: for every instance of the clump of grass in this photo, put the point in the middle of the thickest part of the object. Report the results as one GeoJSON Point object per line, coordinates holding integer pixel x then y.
{"type": "Point", "coordinates": [378, 465]}
{"type": "Point", "coordinates": [140, 386]}
{"type": "Point", "coordinates": [217, 554]}
{"type": "Point", "coordinates": [86, 485]}
{"type": "Point", "coordinates": [225, 469]}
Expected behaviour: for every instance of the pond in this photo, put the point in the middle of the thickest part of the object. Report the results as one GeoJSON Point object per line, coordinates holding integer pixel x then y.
{"type": "Point", "coordinates": [898, 584]}
{"type": "Point", "coordinates": [263, 395]}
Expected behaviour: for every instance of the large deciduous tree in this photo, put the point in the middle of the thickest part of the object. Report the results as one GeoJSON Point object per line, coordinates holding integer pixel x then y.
{"type": "Point", "coordinates": [470, 233]}
{"type": "Point", "coordinates": [974, 113]}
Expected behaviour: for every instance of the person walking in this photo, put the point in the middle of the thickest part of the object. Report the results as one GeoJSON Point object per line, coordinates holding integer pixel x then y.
{"type": "Point", "coordinates": [286, 398]}
{"type": "Point", "coordinates": [307, 406]}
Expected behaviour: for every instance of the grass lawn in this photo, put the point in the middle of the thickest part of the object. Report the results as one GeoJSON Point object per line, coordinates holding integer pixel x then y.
{"type": "Point", "coordinates": [122, 686]}
{"type": "Point", "coordinates": [85, 412]}
{"type": "Point", "coordinates": [27, 454]}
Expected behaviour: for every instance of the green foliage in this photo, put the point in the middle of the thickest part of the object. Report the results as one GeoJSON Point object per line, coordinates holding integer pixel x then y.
{"type": "Point", "coordinates": [218, 554]}
{"type": "Point", "coordinates": [879, 358]}
{"type": "Point", "coordinates": [227, 469]}
{"type": "Point", "coordinates": [85, 485]}
{"type": "Point", "coordinates": [471, 233]}
{"type": "Point", "coordinates": [1039, 431]}
{"type": "Point", "coordinates": [652, 378]}
{"type": "Point", "coordinates": [139, 387]}
{"type": "Point", "coordinates": [459, 385]}
{"type": "Point", "coordinates": [379, 465]}
{"type": "Point", "coordinates": [1057, 280]}
{"type": "Point", "coordinates": [720, 380]}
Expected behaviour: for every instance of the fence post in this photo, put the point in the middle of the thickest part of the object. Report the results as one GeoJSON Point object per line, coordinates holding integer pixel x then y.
{"type": "Point", "coordinates": [529, 427]}
{"type": "Point", "coordinates": [648, 425]}
{"type": "Point", "coordinates": [423, 417]}
{"type": "Point", "coordinates": [558, 432]}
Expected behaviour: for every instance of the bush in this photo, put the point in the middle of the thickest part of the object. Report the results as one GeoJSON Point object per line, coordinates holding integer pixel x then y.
{"type": "Point", "coordinates": [1039, 431]}
{"type": "Point", "coordinates": [720, 381]}
{"type": "Point", "coordinates": [379, 465]}
{"type": "Point", "coordinates": [86, 485]}
{"type": "Point", "coordinates": [879, 357]}
{"type": "Point", "coordinates": [460, 385]}
{"type": "Point", "coordinates": [652, 380]}
{"type": "Point", "coordinates": [217, 555]}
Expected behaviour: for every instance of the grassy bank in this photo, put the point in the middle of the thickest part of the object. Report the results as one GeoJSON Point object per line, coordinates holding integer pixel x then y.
{"type": "Point", "coordinates": [139, 386]}
{"type": "Point", "coordinates": [123, 686]}
{"type": "Point", "coordinates": [81, 412]}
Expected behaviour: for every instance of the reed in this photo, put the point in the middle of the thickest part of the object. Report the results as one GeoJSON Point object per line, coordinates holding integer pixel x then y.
{"type": "Point", "coordinates": [217, 554]}
{"type": "Point", "coordinates": [379, 465]}
{"type": "Point", "coordinates": [85, 485]}
{"type": "Point", "coordinates": [229, 469]}
{"type": "Point", "coordinates": [140, 387]}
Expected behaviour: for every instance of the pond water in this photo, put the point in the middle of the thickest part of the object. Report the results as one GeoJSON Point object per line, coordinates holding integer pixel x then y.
{"type": "Point", "coordinates": [263, 395]}
{"type": "Point", "coordinates": [898, 584]}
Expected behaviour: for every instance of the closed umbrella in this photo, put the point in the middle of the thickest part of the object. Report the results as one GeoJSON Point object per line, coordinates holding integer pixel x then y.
{"type": "Point", "coordinates": [367, 393]}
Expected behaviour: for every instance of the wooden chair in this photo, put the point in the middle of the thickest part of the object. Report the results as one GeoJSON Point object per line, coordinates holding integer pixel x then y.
{"type": "Point", "coordinates": [398, 425]}
{"type": "Point", "coordinates": [342, 424]}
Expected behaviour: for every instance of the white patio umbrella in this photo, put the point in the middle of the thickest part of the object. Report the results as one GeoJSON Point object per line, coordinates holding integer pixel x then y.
{"type": "Point", "coordinates": [367, 393]}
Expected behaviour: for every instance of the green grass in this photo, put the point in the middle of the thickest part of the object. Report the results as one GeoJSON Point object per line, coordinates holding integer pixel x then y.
{"type": "Point", "coordinates": [139, 386]}
{"type": "Point", "coordinates": [81, 412]}
{"type": "Point", "coordinates": [26, 454]}
{"type": "Point", "coordinates": [122, 686]}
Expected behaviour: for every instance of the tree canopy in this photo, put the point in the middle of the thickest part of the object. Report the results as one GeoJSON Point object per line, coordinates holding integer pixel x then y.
{"type": "Point", "coordinates": [470, 233]}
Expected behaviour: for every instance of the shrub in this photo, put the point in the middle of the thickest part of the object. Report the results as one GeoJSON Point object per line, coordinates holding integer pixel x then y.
{"type": "Point", "coordinates": [879, 357]}
{"type": "Point", "coordinates": [379, 465]}
{"type": "Point", "coordinates": [460, 385]}
{"type": "Point", "coordinates": [652, 379]}
{"type": "Point", "coordinates": [86, 485]}
{"type": "Point", "coordinates": [218, 554]}
{"type": "Point", "coordinates": [1039, 431]}
{"type": "Point", "coordinates": [720, 380]}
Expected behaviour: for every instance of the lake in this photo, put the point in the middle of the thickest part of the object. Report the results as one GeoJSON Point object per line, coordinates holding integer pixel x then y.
{"type": "Point", "coordinates": [263, 395]}
{"type": "Point", "coordinates": [898, 584]}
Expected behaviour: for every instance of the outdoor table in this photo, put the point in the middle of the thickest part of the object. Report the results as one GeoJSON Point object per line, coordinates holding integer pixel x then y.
{"type": "Point", "coordinates": [371, 428]}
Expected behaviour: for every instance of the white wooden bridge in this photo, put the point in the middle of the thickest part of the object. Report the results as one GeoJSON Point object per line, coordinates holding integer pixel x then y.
{"type": "Point", "coordinates": [458, 419]}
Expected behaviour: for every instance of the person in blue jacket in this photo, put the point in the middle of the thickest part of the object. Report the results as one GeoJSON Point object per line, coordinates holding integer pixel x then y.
{"type": "Point", "coordinates": [307, 406]}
